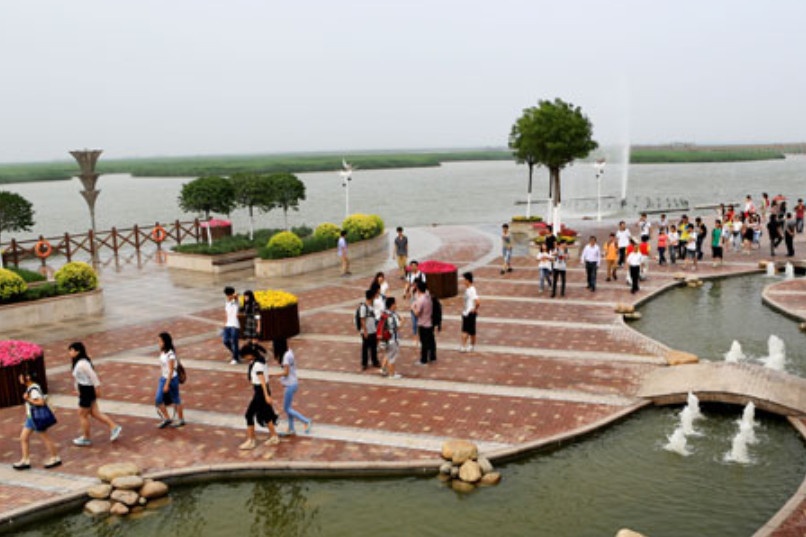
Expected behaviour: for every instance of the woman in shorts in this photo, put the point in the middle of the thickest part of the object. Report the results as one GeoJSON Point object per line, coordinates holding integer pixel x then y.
{"type": "Point", "coordinates": [34, 397]}
{"type": "Point", "coordinates": [88, 385]}
{"type": "Point", "coordinates": [168, 388]}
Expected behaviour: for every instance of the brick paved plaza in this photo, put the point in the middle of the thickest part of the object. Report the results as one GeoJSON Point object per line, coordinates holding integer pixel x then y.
{"type": "Point", "coordinates": [544, 369]}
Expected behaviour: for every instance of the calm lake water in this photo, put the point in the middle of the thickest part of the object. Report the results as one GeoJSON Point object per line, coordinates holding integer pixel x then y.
{"type": "Point", "coordinates": [455, 193]}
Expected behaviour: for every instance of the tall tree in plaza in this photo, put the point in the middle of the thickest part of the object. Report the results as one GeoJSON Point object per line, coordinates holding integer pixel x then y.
{"type": "Point", "coordinates": [522, 143]}
{"type": "Point", "coordinates": [554, 134]}
{"type": "Point", "coordinates": [16, 213]}
{"type": "Point", "coordinates": [287, 191]}
{"type": "Point", "coordinates": [253, 191]}
{"type": "Point", "coordinates": [206, 195]}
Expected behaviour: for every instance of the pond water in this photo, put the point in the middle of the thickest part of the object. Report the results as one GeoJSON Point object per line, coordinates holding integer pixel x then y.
{"type": "Point", "coordinates": [619, 477]}
{"type": "Point", "coordinates": [706, 320]}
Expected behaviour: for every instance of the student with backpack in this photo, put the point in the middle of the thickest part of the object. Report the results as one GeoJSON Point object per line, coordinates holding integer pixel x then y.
{"type": "Point", "coordinates": [388, 326]}
{"type": "Point", "coordinates": [35, 400]}
{"type": "Point", "coordinates": [367, 326]}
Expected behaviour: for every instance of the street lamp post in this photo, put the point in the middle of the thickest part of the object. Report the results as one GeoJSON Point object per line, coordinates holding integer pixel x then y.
{"type": "Point", "coordinates": [599, 166]}
{"type": "Point", "coordinates": [346, 175]}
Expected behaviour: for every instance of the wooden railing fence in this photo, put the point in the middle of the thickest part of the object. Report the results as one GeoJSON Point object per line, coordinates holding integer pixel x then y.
{"type": "Point", "coordinates": [135, 239]}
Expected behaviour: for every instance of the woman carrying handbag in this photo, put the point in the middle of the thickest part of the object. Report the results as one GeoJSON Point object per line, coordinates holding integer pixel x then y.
{"type": "Point", "coordinates": [38, 419]}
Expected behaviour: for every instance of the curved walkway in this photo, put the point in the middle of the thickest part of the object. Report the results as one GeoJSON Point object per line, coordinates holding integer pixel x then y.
{"type": "Point", "coordinates": [545, 370]}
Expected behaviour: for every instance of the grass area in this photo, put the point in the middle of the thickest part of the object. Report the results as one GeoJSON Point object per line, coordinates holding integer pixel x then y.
{"type": "Point", "coordinates": [239, 242]}
{"type": "Point", "coordinates": [691, 154]}
{"type": "Point", "coordinates": [227, 165]}
{"type": "Point", "coordinates": [28, 275]}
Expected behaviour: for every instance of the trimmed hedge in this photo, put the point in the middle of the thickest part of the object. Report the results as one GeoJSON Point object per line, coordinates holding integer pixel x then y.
{"type": "Point", "coordinates": [284, 244]}
{"type": "Point", "coordinates": [76, 277]}
{"type": "Point", "coordinates": [12, 285]}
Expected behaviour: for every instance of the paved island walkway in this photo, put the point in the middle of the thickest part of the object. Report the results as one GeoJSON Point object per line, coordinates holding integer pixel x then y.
{"type": "Point", "coordinates": [544, 370]}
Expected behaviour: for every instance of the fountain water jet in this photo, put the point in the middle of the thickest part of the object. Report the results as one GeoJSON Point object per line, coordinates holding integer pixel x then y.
{"type": "Point", "coordinates": [770, 268]}
{"type": "Point", "coordinates": [777, 353]}
{"type": "Point", "coordinates": [746, 435]}
{"type": "Point", "coordinates": [735, 354]}
{"type": "Point", "coordinates": [687, 422]}
{"type": "Point", "coordinates": [694, 404]}
{"type": "Point", "coordinates": [789, 271]}
{"type": "Point", "coordinates": [677, 443]}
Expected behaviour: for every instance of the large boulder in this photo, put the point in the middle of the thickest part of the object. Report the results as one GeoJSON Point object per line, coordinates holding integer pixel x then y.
{"type": "Point", "coordinates": [154, 489]}
{"type": "Point", "coordinates": [98, 507]}
{"type": "Point", "coordinates": [461, 486]}
{"type": "Point", "coordinates": [128, 497]}
{"type": "Point", "coordinates": [445, 468]}
{"type": "Point", "coordinates": [681, 358]}
{"type": "Point", "coordinates": [119, 509]}
{"type": "Point", "coordinates": [458, 451]}
{"type": "Point", "coordinates": [470, 472]}
{"type": "Point", "coordinates": [624, 308]}
{"type": "Point", "coordinates": [493, 478]}
{"type": "Point", "coordinates": [128, 482]}
{"type": "Point", "coordinates": [108, 472]}
{"type": "Point", "coordinates": [99, 492]}
{"type": "Point", "coordinates": [485, 465]}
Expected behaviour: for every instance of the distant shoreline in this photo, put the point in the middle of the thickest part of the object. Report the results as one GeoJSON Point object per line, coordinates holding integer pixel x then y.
{"type": "Point", "coordinates": [196, 166]}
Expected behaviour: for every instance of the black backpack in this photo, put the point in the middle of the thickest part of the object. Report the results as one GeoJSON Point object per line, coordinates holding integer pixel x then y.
{"type": "Point", "coordinates": [436, 313]}
{"type": "Point", "coordinates": [358, 317]}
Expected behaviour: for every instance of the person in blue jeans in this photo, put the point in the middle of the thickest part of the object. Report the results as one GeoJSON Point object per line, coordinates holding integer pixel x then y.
{"type": "Point", "coordinates": [288, 378]}
{"type": "Point", "coordinates": [168, 387]}
{"type": "Point", "coordinates": [231, 325]}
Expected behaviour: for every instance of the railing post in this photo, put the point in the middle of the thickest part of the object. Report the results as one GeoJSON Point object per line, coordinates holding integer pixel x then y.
{"type": "Point", "coordinates": [196, 229]}
{"type": "Point", "coordinates": [14, 255]}
{"type": "Point", "coordinates": [67, 250]}
{"type": "Point", "coordinates": [178, 233]}
{"type": "Point", "coordinates": [136, 238]}
{"type": "Point", "coordinates": [36, 250]}
{"type": "Point", "coordinates": [115, 240]}
{"type": "Point", "coordinates": [93, 253]}
{"type": "Point", "coordinates": [159, 244]}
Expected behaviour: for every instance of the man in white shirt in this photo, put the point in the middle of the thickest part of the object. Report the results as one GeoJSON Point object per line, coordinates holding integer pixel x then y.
{"type": "Point", "coordinates": [623, 239]}
{"type": "Point", "coordinates": [231, 325]}
{"type": "Point", "coordinates": [469, 312]}
{"type": "Point", "coordinates": [592, 258]}
{"type": "Point", "coordinates": [644, 226]}
{"type": "Point", "coordinates": [634, 262]}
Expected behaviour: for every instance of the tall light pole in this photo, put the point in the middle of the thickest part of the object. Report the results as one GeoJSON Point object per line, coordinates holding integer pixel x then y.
{"type": "Point", "coordinates": [599, 166]}
{"type": "Point", "coordinates": [346, 175]}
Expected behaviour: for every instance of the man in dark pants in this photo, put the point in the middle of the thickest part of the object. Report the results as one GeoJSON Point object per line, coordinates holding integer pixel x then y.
{"type": "Point", "coordinates": [702, 232]}
{"type": "Point", "coordinates": [423, 309]}
{"type": "Point", "coordinates": [774, 232]}
{"type": "Point", "coordinates": [790, 227]}
{"type": "Point", "coordinates": [592, 257]}
{"type": "Point", "coordinates": [369, 336]}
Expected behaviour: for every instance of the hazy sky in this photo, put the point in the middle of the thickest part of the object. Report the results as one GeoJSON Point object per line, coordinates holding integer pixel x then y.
{"type": "Point", "coordinates": [180, 77]}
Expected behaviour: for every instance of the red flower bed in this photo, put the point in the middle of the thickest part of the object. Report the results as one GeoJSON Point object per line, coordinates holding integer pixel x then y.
{"type": "Point", "coordinates": [437, 267]}
{"type": "Point", "coordinates": [13, 352]}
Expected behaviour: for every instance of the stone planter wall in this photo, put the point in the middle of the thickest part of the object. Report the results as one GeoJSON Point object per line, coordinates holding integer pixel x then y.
{"type": "Point", "coordinates": [273, 268]}
{"type": "Point", "coordinates": [11, 390]}
{"type": "Point", "coordinates": [214, 264]}
{"type": "Point", "coordinates": [50, 310]}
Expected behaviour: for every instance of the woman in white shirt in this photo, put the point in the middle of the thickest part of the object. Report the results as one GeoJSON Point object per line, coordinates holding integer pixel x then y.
{"type": "Point", "coordinates": [290, 382]}
{"type": "Point", "coordinates": [168, 389]}
{"type": "Point", "coordinates": [544, 264]}
{"type": "Point", "coordinates": [88, 387]}
{"type": "Point", "coordinates": [260, 407]}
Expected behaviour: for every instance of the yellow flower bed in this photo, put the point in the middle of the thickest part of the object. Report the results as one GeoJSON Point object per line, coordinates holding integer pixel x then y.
{"type": "Point", "coordinates": [273, 299]}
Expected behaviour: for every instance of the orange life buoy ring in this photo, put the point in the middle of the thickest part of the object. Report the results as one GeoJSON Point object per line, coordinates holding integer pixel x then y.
{"type": "Point", "coordinates": [43, 249]}
{"type": "Point", "coordinates": [159, 234]}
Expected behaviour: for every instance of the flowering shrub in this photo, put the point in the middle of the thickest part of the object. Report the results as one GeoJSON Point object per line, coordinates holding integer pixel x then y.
{"type": "Point", "coordinates": [272, 298]}
{"type": "Point", "coordinates": [568, 232]}
{"type": "Point", "coordinates": [436, 267]}
{"type": "Point", "coordinates": [362, 226]}
{"type": "Point", "coordinates": [284, 244]}
{"type": "Point", "coordinates": [525, 219]}
{"type": "Point", "coordinates": [567, 239]}
{"type": "Point", "coordinates": [11, 284]}
{"type": "Point", "coordinates": [76, 277]}
{"type": "Point", "coordinates": [215, 222]}
{"type": "Point", "coordinates": [13, 352]}
{"type": "Point", "coordinates": [327, 230]}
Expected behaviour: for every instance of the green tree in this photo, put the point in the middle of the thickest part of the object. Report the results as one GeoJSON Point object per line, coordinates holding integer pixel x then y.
{"type": "Point", "coordinates": [287, 191]}
{"type": "Point", "coordinates": [206, 195]}
{"type": "Point", "coordinates": [553, 134]}
{"type": "Point", "coordinates": [521, 141]}
{"type": "Point", "coordinates": [16, 213]}
{"type": "Point", "coordinates": [253, 191]}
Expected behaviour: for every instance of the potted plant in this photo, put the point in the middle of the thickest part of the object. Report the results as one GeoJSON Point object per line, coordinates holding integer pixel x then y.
{"type": "Point", "coordinates": [279, 314]}
{"type": "Point", "coordinates": [442, 278]}
{"type": "Point", "coordinates": [17, 357]}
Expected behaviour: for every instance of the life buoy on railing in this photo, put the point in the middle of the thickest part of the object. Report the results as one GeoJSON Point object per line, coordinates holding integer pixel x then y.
{"type": "Point", "coordinates": [159, 234]}
{"type": "Point", "coordinates": [43, 249]}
